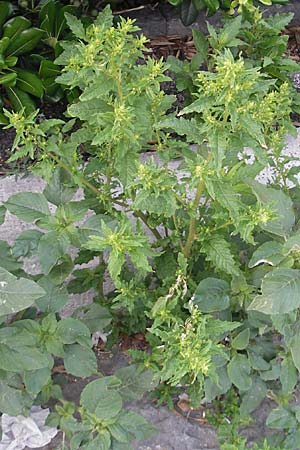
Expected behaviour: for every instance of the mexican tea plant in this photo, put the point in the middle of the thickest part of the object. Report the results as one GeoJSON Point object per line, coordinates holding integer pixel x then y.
{"type": "Point", "coordinates": [201, 255]}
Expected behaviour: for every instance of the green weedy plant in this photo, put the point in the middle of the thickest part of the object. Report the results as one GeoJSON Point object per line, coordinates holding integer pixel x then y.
{"type": "Point", "coordinates": [259, 40]}
{"type": "Point", "coordinates": [216, 280]}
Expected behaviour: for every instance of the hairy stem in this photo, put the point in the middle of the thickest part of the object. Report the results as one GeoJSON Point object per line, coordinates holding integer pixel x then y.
{"type": "Point", "coordinates": [192, 227]}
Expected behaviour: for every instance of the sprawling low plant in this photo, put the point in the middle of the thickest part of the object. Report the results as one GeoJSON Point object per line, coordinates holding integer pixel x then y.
{"type": "Point", "coordinates": [200, 252]}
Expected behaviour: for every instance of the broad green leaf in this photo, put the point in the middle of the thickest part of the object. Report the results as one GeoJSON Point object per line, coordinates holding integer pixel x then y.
{"type": "Point", "coordinates": [101, 442]}
{"type": "Point", "coordinates": [55, 297]}
{"type": "Point", "coordinates": [6, 10]}
{"type": "Point", "coordinates": [52, 246]}
{"type": "Point", "coordinates": [28, 206]}
{"type": "Point", "coordinates": [241, 341]}
{"type": "Point", "coordinates": [292, 440]}
{"type": "Point", "coordinates": [239, 372]}
{"type": "Point", "coordinates": [7, 260]}
{"type": "Point", "coordinates": [268, 253]}
{"type": "Point", "coordinates": [17, 294]}
{"type": "Point", "coordinates": [294, 347]}
{"type": "Point", "coordinates": [135, 382]}
{"type": "Point", "coordinates": [93, 393]}
{"type": "Point", "coordinates": [26, 243]}
{"type": "Point", "coordinates": [80, 361]}
{"type": "Point", "coordinates": [61, 271]}
{"type": "Point", "coordinates": [95, 317]}
{"type": "Point", "coordinates": [280, 418]}
{"type": "Point", "coordinates": [292, 244]}
{"type": "Point", "coordinates": [257, 362]}
{"type": "Point", "coordinates": [213, 389]}
{"type": "Point", "coordinates": [71, 330]}
{"type": "Point", "coordinates": [22, 358]}
{"type": "Point", "coordinates": [109, 405]}
{"type": "Point", "coordinates": [280, 292]}
{"type": "Point", "coordinates": [212, 295]}
{"type": "Point", "coordinates": [230, 31]}
{"type": "Point", "coordinates": [136, 425]}
{"type": "Point", "coordinates": [253, 397]}
{"type": "Point", "coordinates": [288, 375]}
{"type": "Point", "coordinates": [61, 188]}
{"type": "Point", "coordinates": [282, 206]}
{"type": "Point", "coordinates": [35, 380]}
{"type": "Point", "coordinates": [13, 401]}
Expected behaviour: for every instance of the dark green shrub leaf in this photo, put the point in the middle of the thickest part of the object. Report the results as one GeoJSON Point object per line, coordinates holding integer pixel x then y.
{"type": "Point", "coordinates": [13, 27]}
{"type": "Point", "coordinates": [20, 100]}
{"type": "Point", "coordinates": [29, 82]}
{"type": "Point", "coordinates": [212, 295]}
{"type": "Point", "coordinates": [239, 372]}
{"type": "Point", "coordinates": [189, 12]}
{"type": "Point", "coordinates": [80, 361]}
{"type": "Point", "coordinates": [95, 317]}
{"type": "Point", "coordinates": [280, 292]}
{"type": "Point", "coordinates": [24, 42]}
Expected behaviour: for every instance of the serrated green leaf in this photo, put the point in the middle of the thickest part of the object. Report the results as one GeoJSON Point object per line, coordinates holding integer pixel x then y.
{"type": "Point", "coordinates": [35, 380]}
{"type": "Point", "coordinates": [217, 250]}
{"type": "Point", "coordinates": [75, 25]}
